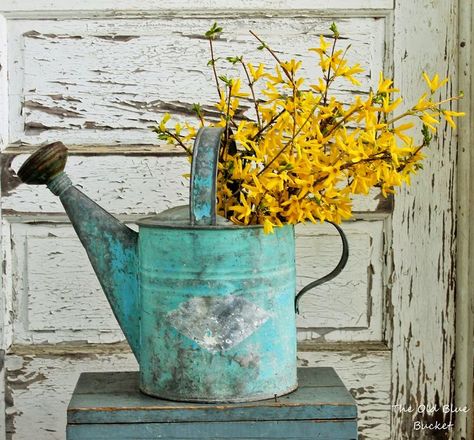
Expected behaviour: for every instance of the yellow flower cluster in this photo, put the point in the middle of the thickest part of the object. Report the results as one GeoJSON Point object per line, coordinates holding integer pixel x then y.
{"type": "Point", "coordinates": [306, 152]}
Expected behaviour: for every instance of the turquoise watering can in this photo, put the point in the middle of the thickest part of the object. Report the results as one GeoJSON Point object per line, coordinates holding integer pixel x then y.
{"type": "Point", "coordinates": [208, 307]}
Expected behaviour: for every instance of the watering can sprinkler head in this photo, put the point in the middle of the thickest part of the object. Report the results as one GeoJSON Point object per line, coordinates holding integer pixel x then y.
{"type": "Point", "coordinates": [45, 164]}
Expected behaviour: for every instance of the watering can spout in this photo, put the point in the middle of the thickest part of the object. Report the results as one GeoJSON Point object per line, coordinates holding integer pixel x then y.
{"type": "Point", "coordinates": [111, 246]}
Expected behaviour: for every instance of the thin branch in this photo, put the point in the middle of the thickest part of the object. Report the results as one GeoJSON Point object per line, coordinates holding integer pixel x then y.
{"type": "Point", "coordinates": [251, 83]}
{"type": "Point", "coordinates": [412, 155]}
{"type": "Point", "coordinates": [214, 71]}
{"type": "Point", "coordinates": [274, 55]}
{"type": "Point", "coordinates": [227, 118]}
{"type": "Point", "coordinates": [269, 124]}
{"type": "Point", "coordinates": [344, 119]}
{"type": "Point", "coordinates": [179, 141]}
{"type": "Point", "coordinates": [413, 111]}
{"type": "Point", "coordinates": [383, 155]}
{"type": "Point", "coordinates": [328, 77]}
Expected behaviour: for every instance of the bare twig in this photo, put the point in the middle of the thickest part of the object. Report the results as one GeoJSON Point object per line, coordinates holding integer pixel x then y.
{"type": "Point", "coordinates": [214, 71]}
{"type": "Point", "coordinates": [269, 124]}
{"type": "Point", "coordinates": [251, 83]}
{"type": "Point", "coordinates": [328, 77]}
{"type": "Point", "coordinates": [179, 141]}
{"type": "Point", "coordinates": [274, 55]}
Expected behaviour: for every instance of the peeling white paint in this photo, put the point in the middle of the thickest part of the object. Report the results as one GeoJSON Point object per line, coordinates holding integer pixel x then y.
{"type": "Point", "coordinates": [101, 81]}
{"type": "Point", "coordinates": [183, 5]}
{"type": "Point", "coordinates": [41, 386]}
{"type": "Point", "coordinates": [367, 376]}
{"type": "Point", "coordinates": [106, 81]}
{"type": "Point", "coordinates": [424, 229]}
{"type": "Point", "coordinates": [40, 390]}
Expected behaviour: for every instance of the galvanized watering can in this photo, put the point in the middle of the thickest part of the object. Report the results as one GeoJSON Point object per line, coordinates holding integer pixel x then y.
{"type": "Point", "coordinates": [208, 307]}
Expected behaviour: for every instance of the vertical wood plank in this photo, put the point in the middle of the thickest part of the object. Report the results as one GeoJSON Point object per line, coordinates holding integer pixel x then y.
{"type": "Point", "coordinates": [2, 395]}
{"type": "Point", "coordinates": [465, 244]}
{"type": "Point", "coordinates": [3, 83]}
{"type": "Point", "coordinates": [424, 231]}
{"type": "Point", "coordinates": [4, 280]}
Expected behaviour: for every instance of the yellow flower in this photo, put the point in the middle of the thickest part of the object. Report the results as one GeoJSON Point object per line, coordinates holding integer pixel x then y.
{"type": "Point", "coordinates": [388, 106]}
{"type": "Point", "coordinates": [244, 210]}
{"type": "Point", "coordinates": [268, 226]}
{"type": "Point", "coordinates": [350, 71]}
{"type": "Point", "coordinates": [256, 74]}
{"type": "Point", "coordinates": [434, 84]}
{"type": "Point", "coordinates": [235, 89]}
{"type": "Point", "coordinates": [323, 46]}
{"type": "Point", "coordinates": [429, 121]}
{"type": "Point", "coordinates": [385, 85]}
{"type": "Point", "coordinates": [423, 103]}
{"type": "Point", "coordinates": [448, 115]}
{"type": "Point", "coordinates": [307, 150]}
{"type": "Point", "coordinates": [163, 121]}
{"type": "Point", "coordinates": [398, 131]}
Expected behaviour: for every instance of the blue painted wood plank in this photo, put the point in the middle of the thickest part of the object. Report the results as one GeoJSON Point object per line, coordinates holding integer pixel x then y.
{"type": "Point", "coordinates": [114, 398]}
{"type": "Point", "coordinates": [157, 414]}
{"type": "Point", "coordinates": [283, 430]}
{"type": "Point", "coordinates": [121, 381]}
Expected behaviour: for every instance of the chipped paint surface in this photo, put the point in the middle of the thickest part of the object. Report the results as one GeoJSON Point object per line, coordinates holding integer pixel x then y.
{"type": "Point", "coordinates": [39, 389]}
{"type": "Point", "coordinates": [366, 374]}
{"type": "Point", "coordinates": [113, 112]}
{"type": "Point", "coordinates": [110, 7]}
{"type": "Point", "coordinates": [110, 90]}
{"type": "Point", "coordinates": [43, 404]}
{"type": "Point", "coordinates": [424, 233]}
{"type": "Point", "coordinates": [59, 299]}
{"type": "Point", "coordinates": [123, 184]}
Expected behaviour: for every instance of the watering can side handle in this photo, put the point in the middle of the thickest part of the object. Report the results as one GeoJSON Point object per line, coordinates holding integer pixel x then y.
{"type": "Point", "coordinates": [335, 272]}
{"type": "Point", "coordinates": [202, 203]}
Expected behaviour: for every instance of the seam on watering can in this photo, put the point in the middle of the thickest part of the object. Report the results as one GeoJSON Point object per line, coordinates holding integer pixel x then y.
{"type": "Point", "coordinates": [59, 184]}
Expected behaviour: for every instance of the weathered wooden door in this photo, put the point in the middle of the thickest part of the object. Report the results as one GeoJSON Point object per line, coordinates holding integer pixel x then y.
{"type": "Point", "coordinates": [96, 75]}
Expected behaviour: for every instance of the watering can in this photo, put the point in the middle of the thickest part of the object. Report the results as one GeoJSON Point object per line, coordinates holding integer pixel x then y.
{"type": "Point", "coordinates": [207, 306]}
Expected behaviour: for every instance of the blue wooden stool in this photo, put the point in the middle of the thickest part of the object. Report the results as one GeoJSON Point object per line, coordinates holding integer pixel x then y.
{"type": "Point", "coordinates": [109, 406]}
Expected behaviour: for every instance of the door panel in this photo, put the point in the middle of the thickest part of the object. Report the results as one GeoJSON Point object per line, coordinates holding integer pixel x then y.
{"type": "Point", "coordinates": [96, 75]}
{"type": "Point", "coordinates": [106, 81]}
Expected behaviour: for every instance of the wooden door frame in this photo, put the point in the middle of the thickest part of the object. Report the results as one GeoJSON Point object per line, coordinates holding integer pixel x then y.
{"type": "Point", "coordinates": [432, 312]}
{"type": "Point", "coordinates": [465, 235]}
{"type": "Point", "coordinates": [465, 209]}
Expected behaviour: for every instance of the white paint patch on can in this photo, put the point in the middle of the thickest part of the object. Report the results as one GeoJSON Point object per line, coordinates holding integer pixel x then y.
{"type": "Point", "coordinates": [217, 323]}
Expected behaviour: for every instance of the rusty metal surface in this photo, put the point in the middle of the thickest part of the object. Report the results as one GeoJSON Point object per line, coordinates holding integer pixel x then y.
{"type": "Point", "coordinates": [46, 163]}
{"type": "Point", "coordinates": [110, 245]}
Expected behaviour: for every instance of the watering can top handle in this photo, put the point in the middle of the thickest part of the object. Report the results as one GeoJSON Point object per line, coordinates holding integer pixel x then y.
{"type": "Point", "coordinates": [202, 203]}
